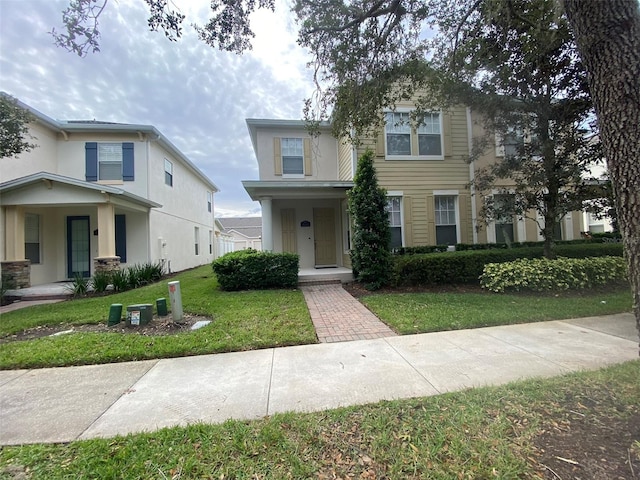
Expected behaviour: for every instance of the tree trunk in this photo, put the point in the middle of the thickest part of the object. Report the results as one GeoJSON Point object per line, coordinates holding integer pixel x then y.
{"type": "Point", "coordinates": [608, 38]}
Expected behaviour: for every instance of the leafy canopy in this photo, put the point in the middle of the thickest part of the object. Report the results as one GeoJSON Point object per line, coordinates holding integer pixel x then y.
{"type": "Point", "coordinates": [14, 128]}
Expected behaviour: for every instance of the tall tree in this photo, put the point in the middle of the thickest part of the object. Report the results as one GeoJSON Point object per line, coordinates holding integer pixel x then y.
{"type": "Point", "coordinates": [608, 37]}
{"type": "Point", "coordinates": [14, 127]}
{"type": "Point", "coordinates": [370, 254]}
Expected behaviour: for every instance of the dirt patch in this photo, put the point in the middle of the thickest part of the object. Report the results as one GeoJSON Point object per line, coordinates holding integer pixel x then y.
{"type": "Point", "coordinates": [591, 443]}
{"type": "Point", "coordinates": [157, 326]}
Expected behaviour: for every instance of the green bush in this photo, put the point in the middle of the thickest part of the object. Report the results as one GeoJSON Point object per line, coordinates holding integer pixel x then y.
{"type": "Point", "coordinates": [467, 266]}
{"type": "Point", "coordinates": [541, 274]}
{"type": "Point", "coordinates": [100, 281]}
{"type": "Point", "coordinates": [420, 249]}
{"type": "Point", "coordinates": [252, 270]}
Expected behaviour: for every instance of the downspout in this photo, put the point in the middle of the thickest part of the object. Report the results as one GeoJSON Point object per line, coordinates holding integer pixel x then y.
{"type": "Point", "coordinates": [472, 173]}
{"type": "Point", "coordinates": [148, 153]}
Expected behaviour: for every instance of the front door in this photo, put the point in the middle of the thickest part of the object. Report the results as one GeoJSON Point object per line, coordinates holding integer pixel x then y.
{"type": "Point", "coordinates": [324, 232]}
{"type": "Point", "coordinates": [78, 247]}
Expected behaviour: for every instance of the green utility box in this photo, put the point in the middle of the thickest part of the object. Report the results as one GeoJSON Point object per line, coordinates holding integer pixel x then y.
{"type": "Point", "coordinates": [139, 314]}
{"type": "Point", "coordinates": [161, 306]}
{"type": "Point", "coordinates": [115, 314]}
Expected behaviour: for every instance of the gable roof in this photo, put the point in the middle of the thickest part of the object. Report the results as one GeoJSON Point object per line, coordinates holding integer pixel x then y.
{"type": "Point", "coordinates": [250, 227]}
{"type": "Point", "coordinates": [65, 127]}
{"type": "Point", "coordinates": [32, 179]}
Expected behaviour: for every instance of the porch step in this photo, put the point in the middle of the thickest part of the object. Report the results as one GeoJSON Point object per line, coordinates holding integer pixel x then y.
{"type": "Point", "coordinates": [312, 282]}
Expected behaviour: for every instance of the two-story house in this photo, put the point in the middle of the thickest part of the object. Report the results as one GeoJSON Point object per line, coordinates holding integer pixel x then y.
{"type": "Point", "coordinates": [303, 184]}
{"type": "Point", "coordinates": [96, 196]}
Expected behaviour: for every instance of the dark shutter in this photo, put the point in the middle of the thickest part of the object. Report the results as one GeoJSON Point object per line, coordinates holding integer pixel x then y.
{"type": "Point", "coordinates": [127, 162]}
{"type": "Point", "coordinates": [91, 161]}
{"type": "Point", "coordinates": [121, 238]}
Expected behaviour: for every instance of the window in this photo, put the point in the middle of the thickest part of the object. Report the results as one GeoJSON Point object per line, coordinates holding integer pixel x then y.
{"type": "Point", "coordinates": [446, 225]}
{"type": "Point", "coordinates": [394, 205]}
{"type": "Point", "coordinates": [209, 202]}
{"type": "Point", "coordinates": [196, 234]}
{"type": "Point", "coordinates": [32, 237]}
{"type": "Point", "coordinates": [405, 140]}
{"type": "Point", "coordinates": [504, 219]}
{"type": "Point", "coordinates": [398, 131]}
{"type": "Point", "coordinates": [429, 135]}
{"type": "Point", "coordinates": [168, 173]}
{"type": "Point", "coordinates": [292, 156]}
{"type": "Point", "coordinates": [109, 162]}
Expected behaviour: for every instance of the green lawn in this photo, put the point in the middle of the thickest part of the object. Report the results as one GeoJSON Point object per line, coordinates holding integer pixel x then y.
{"type": "Point", "coordinates": [483, 433]}
{"type": "Point", "coordinates": [409, 313]}
{"type": "Point", "coordinates": [241, 321]}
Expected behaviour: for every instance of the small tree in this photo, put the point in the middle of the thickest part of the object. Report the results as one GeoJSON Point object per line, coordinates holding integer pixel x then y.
{"type": "Point", "coordinates": [370, 254]}
{"type": "Point", "coordinates": [14, 128]}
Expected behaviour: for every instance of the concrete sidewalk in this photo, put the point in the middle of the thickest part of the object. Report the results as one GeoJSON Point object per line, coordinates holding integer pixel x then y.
{"type": "Point", "coordinates": [65, 404]}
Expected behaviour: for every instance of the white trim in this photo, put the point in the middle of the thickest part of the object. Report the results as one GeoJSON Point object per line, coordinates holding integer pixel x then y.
{"type": "Point", "coordinates": [443, 193]}
{"type": "Point", "coordinates": [400, 194]}
{"type": "Point", "coordinates": [472, 174]}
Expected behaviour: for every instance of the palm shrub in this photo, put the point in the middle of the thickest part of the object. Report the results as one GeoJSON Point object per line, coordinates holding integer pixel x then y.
{"type": "Point", "coordinates": [370, 253]}
{"type": "Point", "coordinates": [101, 280]}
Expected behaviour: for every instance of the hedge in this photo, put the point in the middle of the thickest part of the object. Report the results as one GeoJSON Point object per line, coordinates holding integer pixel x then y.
{"type": "Point", "coordinates": [252, 270]}
{"type": "Point", "coordinates": [542, 274]}
{"type": "Point", "coordinates": [467, 266]}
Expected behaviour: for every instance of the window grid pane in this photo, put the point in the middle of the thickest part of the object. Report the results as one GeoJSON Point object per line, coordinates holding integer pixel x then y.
{"type": "Point", "coordinates": [445, 211]}
{"type": "Point", "coordinates": [109, 161]}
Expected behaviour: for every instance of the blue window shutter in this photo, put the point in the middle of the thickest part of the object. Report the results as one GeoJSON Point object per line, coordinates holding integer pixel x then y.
{"type": "Point", "coordinates": [127, 162]}
{"type": "Point", "coordinates": [121, 237]}
{"type": "Point", "coordinates": [91, 161]}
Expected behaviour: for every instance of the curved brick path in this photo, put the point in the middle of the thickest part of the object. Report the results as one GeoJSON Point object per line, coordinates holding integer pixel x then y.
{"type": "Point", "coordinates": [338, 317]}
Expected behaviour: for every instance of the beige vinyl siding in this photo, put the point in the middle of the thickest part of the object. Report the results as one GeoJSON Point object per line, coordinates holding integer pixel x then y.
{"type": "Point", "coordinates": [417, 179]}
{"type": "Point", "coordinates": [344, 160]}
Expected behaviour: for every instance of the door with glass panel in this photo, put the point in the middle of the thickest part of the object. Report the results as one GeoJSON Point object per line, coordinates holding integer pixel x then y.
{"type": "Point", "coordinates": [78, 246]}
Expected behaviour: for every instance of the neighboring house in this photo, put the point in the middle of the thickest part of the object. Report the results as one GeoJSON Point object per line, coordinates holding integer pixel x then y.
{"type": "Point", "coordinates": [223, 241]}
{"type": "Point", "coordinates": [303, 184]}
{"type": "Point", "coordinates": [246, 232]}
{"type": "Point", "coordinates": [97, 196]}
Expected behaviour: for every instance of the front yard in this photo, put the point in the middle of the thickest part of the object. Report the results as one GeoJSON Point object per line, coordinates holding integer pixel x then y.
{"type": "Point", "coordinates": [249, 320]}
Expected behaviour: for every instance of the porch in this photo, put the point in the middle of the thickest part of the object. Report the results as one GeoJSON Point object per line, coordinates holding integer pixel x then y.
{"type": "Point", "coordinates": [307, 276]}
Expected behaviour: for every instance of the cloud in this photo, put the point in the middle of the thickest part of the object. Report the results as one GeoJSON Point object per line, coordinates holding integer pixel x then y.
{"type": "Point", "coordinates": [196, 96]}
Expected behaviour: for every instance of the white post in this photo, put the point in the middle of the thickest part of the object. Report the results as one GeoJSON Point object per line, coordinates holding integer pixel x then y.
{"type": "Point", "coordinates": [267, 224]}
{"type": "Point", "coordinates": [175, 296]}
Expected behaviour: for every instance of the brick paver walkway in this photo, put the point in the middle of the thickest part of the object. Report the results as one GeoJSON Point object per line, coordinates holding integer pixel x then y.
{"type": "Point", "coordinates": [338, 317]}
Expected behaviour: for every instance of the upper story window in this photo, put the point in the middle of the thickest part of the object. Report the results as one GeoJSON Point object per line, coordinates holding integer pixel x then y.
{"type": "Point", "coordinates": [292, 156]}
{"type": "Point", "coordinates": [209, 202]}
{"type": "Point", "coordinates": [168, 173]}
{"type": "Point", "coordinates": [109, 162]}
{"type": "Point", "coordinates": [406, 141]}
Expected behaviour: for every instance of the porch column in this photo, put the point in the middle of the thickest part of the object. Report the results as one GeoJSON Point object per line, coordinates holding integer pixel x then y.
{"type": "Point", "coordinates": [106, 259]}
{"type": "Point", "coordinates": [15, 266]}
{"type": "Point", "coordinates": [267, 224]}
{"type": "Point", "coordinates": [14, 233]}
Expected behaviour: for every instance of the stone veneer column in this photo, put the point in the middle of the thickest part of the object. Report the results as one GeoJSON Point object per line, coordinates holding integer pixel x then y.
{"type": "Point", "coordinates": [17, 272]}
{"type": "Point", "coordinates": [106, 264]}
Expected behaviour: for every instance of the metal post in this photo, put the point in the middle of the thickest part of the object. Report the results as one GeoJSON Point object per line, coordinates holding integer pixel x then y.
{"type": "Point", "coordinates": [175, 297]}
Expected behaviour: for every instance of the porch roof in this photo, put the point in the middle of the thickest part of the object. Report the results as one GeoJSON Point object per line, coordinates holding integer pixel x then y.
{"type": "Point", "coordinates": [290, 189]}
{"type": "Point", "coordinates": [49, 179]}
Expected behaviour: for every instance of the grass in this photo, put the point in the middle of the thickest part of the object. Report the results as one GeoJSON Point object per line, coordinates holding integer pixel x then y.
{"type": "Point", "coordinates": [482, 433]}
{"type": "Point", "coordinates": [410, 313]}
{"type": "Point", "coordinates": [241, 321]}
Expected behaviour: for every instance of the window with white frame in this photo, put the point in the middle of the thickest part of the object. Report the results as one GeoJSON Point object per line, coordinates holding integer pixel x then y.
{"type": "Point", "coordinates": [406, 140]}
{"type": "Point", "coordinates": [430, 135]}
{"type": "Point", "coordinates": [292, 156]}
{"type": "Point", "coordinates": [209, 202]}
{"type": "Point", "coordinates": [168, 173]}
{"type": "Point", "coordinates": [446, 220]}
{"type": "Point", "coordinates": [196, 234]}
{"type": "Point", "coordinates": [109, 161]}
{"type": "Point", "coordinates": [394, 212]}
{"type": "Point", "coordinates": [398, 133]}
{"type": "Point", "coordinates": [32, 237]}
{"type": "Point", "coordinates": [504, 219]}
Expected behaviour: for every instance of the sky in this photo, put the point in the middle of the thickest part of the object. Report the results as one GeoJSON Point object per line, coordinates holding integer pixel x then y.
{"type": "Point", "coordinates": [198, 97]}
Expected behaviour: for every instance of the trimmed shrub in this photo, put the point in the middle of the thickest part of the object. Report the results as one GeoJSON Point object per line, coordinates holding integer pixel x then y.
{"type": "Point", "coordinates": [420, 249]}
{"type": "Point", "coordinates": [252, 270]}
{"type": "Point", "coordinates": [467, 266]}
{"type": "Point", "coordinates": [542, 274]}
